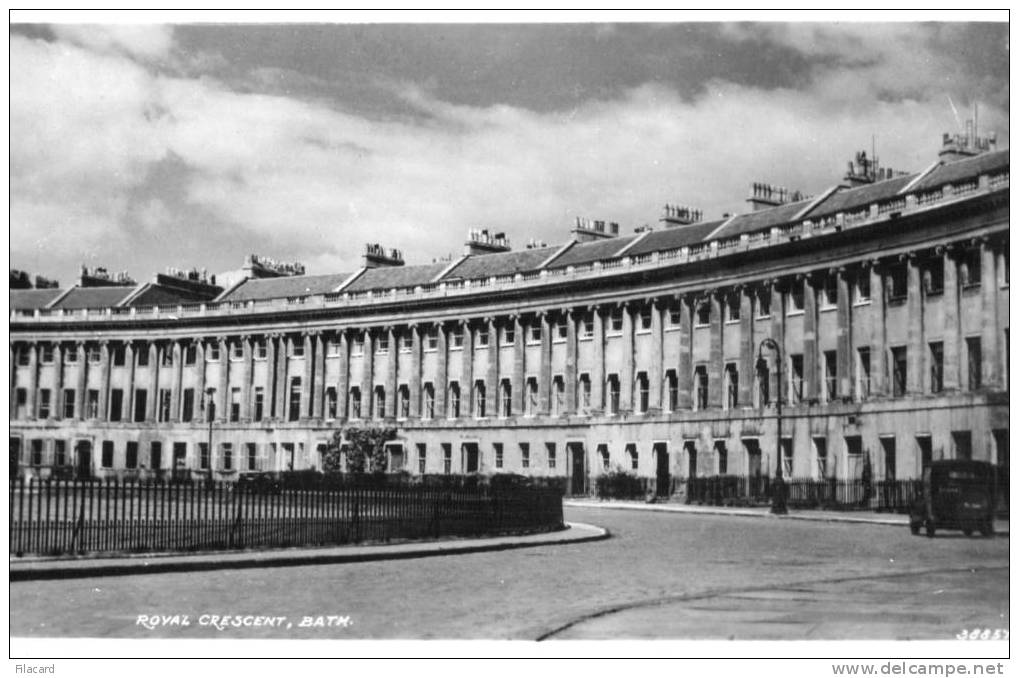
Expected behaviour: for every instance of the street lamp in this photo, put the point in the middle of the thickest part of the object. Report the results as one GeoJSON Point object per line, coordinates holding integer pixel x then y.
{"type": "Point", "coordinates": [778, 506]}
{"type": "Point", "coordinates": [211, 416]}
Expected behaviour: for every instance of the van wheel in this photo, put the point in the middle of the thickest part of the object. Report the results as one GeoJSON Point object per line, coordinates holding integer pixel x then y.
{"type": "Point", "coordinates": [930, 529]}
{"type": "Point", "coordinates": [914, 528]}
{"type": "Point", "coordinates": [985, 529]}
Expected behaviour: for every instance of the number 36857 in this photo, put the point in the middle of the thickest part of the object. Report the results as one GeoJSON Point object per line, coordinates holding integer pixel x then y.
{"type": "Point", "coordinates": [982, 634]}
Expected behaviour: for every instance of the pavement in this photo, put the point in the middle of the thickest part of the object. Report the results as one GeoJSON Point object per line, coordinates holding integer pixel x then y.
{"type": "Point", "coordinates": [868, 517]}
{"type": "Point", "coordinates": [62, 567]}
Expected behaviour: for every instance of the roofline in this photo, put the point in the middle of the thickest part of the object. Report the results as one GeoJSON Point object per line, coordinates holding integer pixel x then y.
{"type": "Point", "coordinates": [60, 296]}
{"type": "Point", "coordinates": [136, 292]}
{"type": "Point", "coordinates": [230, 290]}
{"type": "Point", "coordinates": [633, 242]}
{"type": "Point", "coordinates": [449, 269]}
{"type": "Point", "coordinates": [722, 225]}
{"type": "Point", "coordinates": [921, 176]}
{"type": "Point", "coordinates": [563, 249]}
{"type": "Point", "coordinates": [350, 279]}
{"type": "Point", "coordinates": [816, 202]}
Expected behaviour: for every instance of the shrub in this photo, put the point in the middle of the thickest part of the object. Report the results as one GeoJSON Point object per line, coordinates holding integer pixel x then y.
{"type": "Point", "coordinates": [618, 484]}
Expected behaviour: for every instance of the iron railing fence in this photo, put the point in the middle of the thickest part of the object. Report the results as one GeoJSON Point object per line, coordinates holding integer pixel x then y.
{"type": "Point", "coordinates": [53, 517]}
{"type": "Point", "coordinates": [827, 493]}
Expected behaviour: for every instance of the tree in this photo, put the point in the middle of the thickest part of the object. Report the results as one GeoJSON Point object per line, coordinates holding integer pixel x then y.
{"type": "Point", "coordinates": [366, 449]}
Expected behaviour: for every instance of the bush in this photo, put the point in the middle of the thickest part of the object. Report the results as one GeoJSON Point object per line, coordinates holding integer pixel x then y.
{"type": "Point", "coordinates": [618, 484]}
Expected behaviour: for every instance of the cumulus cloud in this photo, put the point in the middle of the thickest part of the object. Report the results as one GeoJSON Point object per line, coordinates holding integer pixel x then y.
{"type": "Point", "coordinates": [150, 41]}
{"type": "Point", "coordinates": [303, 179]}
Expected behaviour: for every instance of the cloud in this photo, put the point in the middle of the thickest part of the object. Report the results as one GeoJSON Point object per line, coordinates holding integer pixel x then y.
{"type": "Point", "coordinates": [293, 178]}
{"type": "Point", "coordinates": [149, 41]}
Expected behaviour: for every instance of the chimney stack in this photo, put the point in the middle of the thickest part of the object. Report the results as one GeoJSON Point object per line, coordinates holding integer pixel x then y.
{"type": "Point", "coordinates": [377, 256]}
{"type": "Point", "coordinates": [680, 215]}
{"type": "Point", "coordinates": [586, 230]}
{"type": "Point", "coordinates": [480, 241]}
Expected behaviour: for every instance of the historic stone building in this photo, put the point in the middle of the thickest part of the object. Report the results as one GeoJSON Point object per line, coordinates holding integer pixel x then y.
{"type": "Point", "coordinates": [887, 295]}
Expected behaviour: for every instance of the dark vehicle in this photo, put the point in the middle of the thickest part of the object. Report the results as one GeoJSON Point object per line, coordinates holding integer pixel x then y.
{"type": "Point", "coordinates": [258, 483]}
{"type": "Point", "coordinates": [957, 495]}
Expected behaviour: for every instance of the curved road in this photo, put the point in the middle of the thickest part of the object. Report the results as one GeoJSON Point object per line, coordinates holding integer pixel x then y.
{"type": "Point", "coordinates": [660, 576]}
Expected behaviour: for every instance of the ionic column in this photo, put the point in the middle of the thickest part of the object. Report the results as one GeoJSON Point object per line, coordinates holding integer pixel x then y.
{"type": "Point", "coordinates": [492, 378]}
{"type": "Point", "coordinates": [684, 377]}
{"type": "Point", "coordinates": [626, 378]}
{"type": "Point", "coordinates": [844, 333]}
{"type": "Point", "coordinates": [368, 377]}
{"type": "Point", "coordinates": [282, 370]}
{"type": "Point", "coordinates": [715, 356]}
{"type": "Point", "coordinates": [467, 370]}
{"type": "Point", "coordinates": [223, 406]}
{"type": "Point", "coordinates": [318, 378]}
{"type": "Point", "coordinates": [31, 385]}
{"type": "Point", "coordinates": [304, 411]}
{"type": "Point", "coordinates": [879, 348]}
{"type": "Point", "coordinates": [343, 377]}
{"type": "Point", "coordinates": [545, 367]}
{"type": "Point", "coordinates": [129, 357]}
{"type": "Point", "coordinates": [153, 396]}
{"type": "Point", "coordinates": [777, 390]}
{"type": "Point", "coordinates": [746, 346]}
{"type": "Point", "coordinates": [79, 392]}
{"type": "Point", "coordinates": [598, 374]}
{"type": "Point", "coordinates": [12, 368]}
{"type": "Point", "coordinates": [414, 382]}
{"type": "Point", "coordinates": [392, 381]}
{"type": "Point", "coordinates": [441, 371]}
{"type": "Point", "coordinates": [517, 379]}
{"type": "Point", "coordinates": [178, 379]}
{"type": "Point", "coordinates": [58, 397]}
{"type": "Point", "coordinates": [811, 363]}
{"type": "Point", "coordinates": [656, 373]}
{"type": "Point", "coordinates": [570, 373]}
{"type": "Point", "coordinates": [950, 331]}
{"type": "Point", "coordinates": [990, 337]}
{"type": "Point", "coordinates": [915, 348]}
{"type": "Point", "coordinates": [247, 376]}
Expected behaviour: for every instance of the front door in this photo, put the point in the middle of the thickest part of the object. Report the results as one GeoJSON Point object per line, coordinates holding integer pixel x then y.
{"type": "Point", "coordinates": [180, 461]}
{"type": "Point", "coordinates": [395, 458]}
{"type": "Point", "coordinates": [664, 479]}
{"type": "Point", "coordinates": [83, 459]}
{"type": "Point", "coordinates": [15, 451]}
{"type": "Point", "coordinates": [578, 472]}
{"type": "Point", "coordinates": [471, 457]}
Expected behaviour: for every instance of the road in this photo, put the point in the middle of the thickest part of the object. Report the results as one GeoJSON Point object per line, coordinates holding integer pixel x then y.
{"type": "Point", "coordinates": [660, 576]}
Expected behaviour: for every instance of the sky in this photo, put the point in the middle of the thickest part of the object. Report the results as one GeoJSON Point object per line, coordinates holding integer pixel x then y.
{"type": "Point", "coordinates": [140, 147]}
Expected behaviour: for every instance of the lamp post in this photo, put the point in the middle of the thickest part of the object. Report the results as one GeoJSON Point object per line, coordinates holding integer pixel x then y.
{"type": "Point", "coordinates": [778, 506]}
{"type": "Point", "coordinates": [210, 411]}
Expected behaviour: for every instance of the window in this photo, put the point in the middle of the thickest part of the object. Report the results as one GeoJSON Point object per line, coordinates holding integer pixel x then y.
{"type": "Point", "coordinates": [204, 461]}
{"type": "Point", "coordinates": [631, 451]}
{"type": "Point", "coordinates": [107, 455]}
{"type": "Point", "coordinates": [209, 404]}
{"type": "Point", "coordinates": [897, 282]}
{"type": "Point", "coordinates": [763, 303]}
{"type": "Point", "coordinates": [613, 382]}
{"type": "Point", "coordinates": [357, 345]}
{"type": "Point", "coordinates": [480, 410]}
{"type": "Point", "coordinates": [497, 447]}
{"type": "Point", "coordinates": [36, 452]}
{"type": "Point", "coordinates": [23, 355]}
{"type": "Point", "coordinates": [456, 337]}
{"type": "Point", "coordinates": [227, 450]}
{"type": "Point", "coordinates": [380, 402]}
{"type": "Point", "coordinates": [429, 398]}
{"type": "Point", "coordinates": [235, 404]}
{"type": "Point", "coordinates": [482, 337]}
{"type": "Point", "coordinates": [863, 364]}
{"type": "Point", "coordinates": [355, 402]}
{"type": "Point", "coordinates": [212, 351]}
{"type": "Point", "coordinates": [164, 404]}
{"type": "Point", "coordinates": [794, 297]}
{"type": "Point", "coordinates": [252, 454]}
{"type": "Point", "coordinates": [787, 457]}
{"type": "Point", "coordinates": [330, 402]}
{"type": "Point", "coordinates": [603, 452]}
{"type": "Point", "coordinates": [731, 386]}
{"type": "Point", "coordinates": [60, 452]}
{"type": "Point", "coordinates": [643, 392]}
{"type": "Point", "coordinates": [585, 391]}
{"type": "Point", "coordinates": [550, 450]}
{"type": "Point", "coordinates": [190, 354]}
{"type": "Point", "coordinates": [831, 382]}
{"type": "Point", "coordinates": [403, 404]}
{"type": "Point", "coordinates": [297, 347]}
{"type": "Point", "coordinates": [47, 353]}
{"type": "Point", "coordinates": [94, 354]}
{"type": "Point", "coordinates": [899, 371]}
{"type": "Point", "coordinates": [587, 326]}
{"type": "Point", "coordinates": [382, 344]}
{"type": "Point", "coordinates": [295, 399]}
{"type": "Point", "coordinates": [156, 455]}
{"type": "Point", "coordinates": [763, 377]}
{"type": "Point", "coordinates": [509, 333]}
{"type": "Point", "coordinates": [830, 291]}
{"type": "Point", "coordinates": [187, 412]}
{"type": "Point", "coordinates": [732, 309]}
{"type": "Point", "coordinates": [332, 346]}
{"type": "Point", "coordinates": [406, 342]}
{"type": "Point", "coordinates": [261, 348]}
{"type": "Point", "coordinates": [973, 360]}
{"type": "Point", "coordinates": [932, 276]}
{"type": "Point", "coordinates": [962, 444]}
{"type": "Point", "coordinates": [722, 454]}
{"type": "Point", "coordinates": [796, 377]}
{"type": "Point", "coordinates": [69, 403]}
{"type": "Point", "coordinates": [645, 318]}
{"type": "Point", "coordinates": [969, 268]}
{"type": "Point", "coordinates": [432, 340]}
{"type": "Point", "coordinates": [532, 396]}
{"type": "Point", "coordinates": [506, 398]}
{"type": "Point", "coordinates": [44, 403]}
{"type": "Point", "coordinates": [672, 390]}
{"type": "Point", "coordinates": [861, 286]}
{"type": "Point", "coordinates": [561, 327]}
{"type": "Point", "coordinates": [535, 336]}
{"type": "Point", "coordinates": [422, 457]}
{"type": "Point", "coordinates": [675, 317]}
{"type": "Point", "coordinates": [237, 349]}
{"type": "Point", "coordinates": [447, 458]}
{"type": "Point", "coordinates": [140, 404]}
{"type": "Point", "coordinates": [616, 319]}
{"type": "Point", "coordinates": [130, 454]}
{"type": "Point", "coordinates": [821, 454]}
{"type": "Point", "coordinates": [558, 395]}
{"type": "Point", "coordinates": [703, 313]}
{"type": "Point", "coordinates": [71, 355]}
{"type": "Point", "coordinates": [525, 455]}
{"type": "Point", "coordinates": [92, 404]}
{"type": "Point", "coordinates": [259, 403]}
{"type": "Point", "coordinates": [937, 360]}
{"type": "Point", "coordinates": [166, 352]}
{"type": "Point", "coordinates": [700, 377]}
{"type": "Point", "coordinates": [454, 400]}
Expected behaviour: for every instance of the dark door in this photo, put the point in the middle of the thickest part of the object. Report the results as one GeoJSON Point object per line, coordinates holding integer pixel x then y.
{"type": "Point", "coordinates": [395, 458]}
{"type": "Point", "coordinates": [471, 457]}
{"type": "Point", "coordinates": [180, 461]}
{"type": "Point", "coordinates": [691, 455]}
{"type": "Point", "coordinates": [664, 479]}
{"type": "Point", "coordinates": [578, 474]}
{"type": "Point", "coordinates": [15, 451]}
{"type": "Point", "coordinates": [83, 459]}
